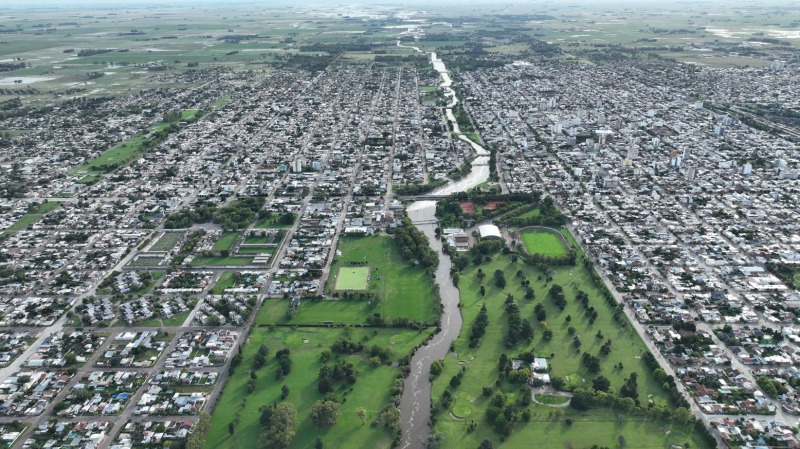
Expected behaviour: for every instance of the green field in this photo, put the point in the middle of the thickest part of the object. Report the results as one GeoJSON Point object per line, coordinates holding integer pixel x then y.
{"type": "Point", "coordinates": [596, 426]}
{"type": "Point", "coordinates": [352, 278]}
{"type": "Point", "coordinates": [546, 243]}
{"type": "Point", "coordinates": [212, 261]}
{"type": "Point", "coordinates": [274, 311]}
{"type": "Point", "coordinates": [116, 156]}
{"type": "Point", "coordinates": [225, 241]}
{"type": "Point", "coordinates": [33, 217]}
{"type": "Point", "coordinates": [225, 281]}
{"type": "Point", "coordinates": [404, 290]}
{"type": "Point", "coordinates": [371, 390]}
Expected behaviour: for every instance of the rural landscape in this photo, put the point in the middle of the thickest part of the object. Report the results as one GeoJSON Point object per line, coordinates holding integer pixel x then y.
{"type": "Point", "coordinates": [412, 225]}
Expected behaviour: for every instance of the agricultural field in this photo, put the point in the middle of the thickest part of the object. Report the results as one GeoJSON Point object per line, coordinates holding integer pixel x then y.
{"type": "Point", "coordinates": [371, 390]}
{"type": "Point", "coordinates": [550, 427]}
{"type": "Point", "coordinates": [352, 278]}
{"type": "Point", "coordinates": [540, 241]}
{"type": "Point", "coordinates": [403, 290]}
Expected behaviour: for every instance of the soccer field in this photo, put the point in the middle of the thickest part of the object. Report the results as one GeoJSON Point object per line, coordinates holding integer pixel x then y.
{"type": "Point", "coordinates": [352, 278]}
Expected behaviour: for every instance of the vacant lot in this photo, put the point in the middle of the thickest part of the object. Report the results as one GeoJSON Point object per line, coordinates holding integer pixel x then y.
{"type": "Point", "coordinates": [352, 278]}
{"type": "Point", "coordinates": [540, 241]}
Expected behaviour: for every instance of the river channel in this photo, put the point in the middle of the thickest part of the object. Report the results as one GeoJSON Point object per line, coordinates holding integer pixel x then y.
{"type": "Point", "coordinates": [415, 404]}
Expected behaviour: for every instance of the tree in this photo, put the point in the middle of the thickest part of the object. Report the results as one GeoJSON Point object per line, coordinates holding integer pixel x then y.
{"type": "Point", "coordinates": [621, 441]}
{"type": "Point", "coordinates": [325, 414]}
{"type": "Point", "coordinates": [284, 392]}
{"type": "Point", "coordinates": [231, 428]}
{"type": "Point", "coordinates": [486, 444]}
{"type": "Point", "coordinates": [630, 387]}
{"type": "Point", "coordinates": [281, 429]}
{"type": "Point", "coordinates": [361, 412]}
{"type": "Point", "coordinates": [436, 368]}
{"type": "Point", "coordinates": [601, 383]}
{"type": "Point", "coordinates": [682, 415]}
{"type": "Point", "coordinates": [318, 444]}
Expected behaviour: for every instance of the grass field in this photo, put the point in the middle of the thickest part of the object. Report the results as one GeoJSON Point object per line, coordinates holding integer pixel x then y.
{"type": "Point", "coordinates": [596, 426]}
{"type": "Point", "coordinates": [212, 261]}
{"type": "Point", "coordinates": [352, 278]}
{"type": "Point", "coordinates": [225, 281]}
{"type": "Point", "coordinates": [29, 219]}
{"type": "Point", "coordinates": [225, 241]}
{"type": "Point", "coordinates": [274, 311]}
{"type": "Point", "coordinates": [371, 390]}
{"type": "Point", "coordinates": [404, 290]}
{"type": "Point", "coordinates": [546, 243]}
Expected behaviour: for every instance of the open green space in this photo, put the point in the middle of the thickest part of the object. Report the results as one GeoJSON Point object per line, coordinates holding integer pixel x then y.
{"type": "Point", "coordinates": [275, 222]}
{"type": "Point", "coordinates": [311, 312]}
{"type": "Point", "coordinates": [255, 250]}
{"type": "Point", "coordinates": [225, 281]}
{"type": "Point", "coordinates": [540, 241]}
{"type": "Point", "coordinates": [213, 261]}
{"type": "Point", "coordinates": [33, 217]}
{"type": "Point", "coordinates": [225, 241]}
{"type": "Point", "coordinates": [549, 399]}
{"type": "Point", "coordinates": [175, 320]}
{"type": "Point", "coordinates": [90, 179]}
{"type": "Point", "coordinates": [352, 278]}
{"type": "Point", "coordinates": [403, 290]}
{"type": "Point", "coordinates": [371, 390]}
{"type": "Point", "coordinates": [548, 428]}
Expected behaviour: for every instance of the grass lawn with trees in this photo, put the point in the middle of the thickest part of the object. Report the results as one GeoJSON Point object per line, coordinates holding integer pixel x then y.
{"type": "Point", "coordinates": [371, 391]}
{"type": "Point", "coordinates": [404, 290]}
{"type": "Point", "coordinates": [549, 426]}
{"type": "Point", "coordinates": [546, 243]}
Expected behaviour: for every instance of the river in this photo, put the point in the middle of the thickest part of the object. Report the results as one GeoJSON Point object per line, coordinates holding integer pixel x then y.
{"type": "Point", "coordinates": [415, 404]}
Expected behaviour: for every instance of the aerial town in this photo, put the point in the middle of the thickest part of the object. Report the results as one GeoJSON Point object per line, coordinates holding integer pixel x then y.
{"type": "Point", "coordinates": [414, 226]}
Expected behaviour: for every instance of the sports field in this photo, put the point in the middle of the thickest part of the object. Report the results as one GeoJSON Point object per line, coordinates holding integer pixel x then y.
{"type": "Point", "coordinates": [352, 278]}
{"type": "Point", "coordinates": [546, 243]}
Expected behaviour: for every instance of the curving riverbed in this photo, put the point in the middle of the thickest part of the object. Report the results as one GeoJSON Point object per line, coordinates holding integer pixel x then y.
{"type": "Point", "coordinates": [415, 404]}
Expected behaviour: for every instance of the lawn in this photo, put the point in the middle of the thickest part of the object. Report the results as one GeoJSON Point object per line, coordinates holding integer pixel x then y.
{"type": "Point", "coordinates": [352, 278]}
{"type": "Point", "coordinates": [226, 241]}
{"type": "Point", "coordinates": [157, 321]}
{"type": "Point", "coordinates": [550, 399]}
{"type": "Point", "coordinates": [211, 261]}
{"type": "Point", "coordinates": [546, 243]}
{"type": "Point", "coordinates": [597, 426]}
{"type": "Point", "coordinates": [225, 281]}
{"type": "Point", "coordinates": [310, 312]}
{"type": "Point", "coordinates": [404, 290]}
{"type": "Point", "coordinates": [116, 156]}
{"type": "Point", "coordinates": [90, 179]}
{"type": "Point", "coordinates": [371, 390]}
{"type": "Point", "coordinates": [29, 219]}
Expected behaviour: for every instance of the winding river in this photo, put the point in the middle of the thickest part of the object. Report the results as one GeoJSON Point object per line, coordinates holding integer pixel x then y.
{"type": "Point", "coordinates": [415, 404]}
